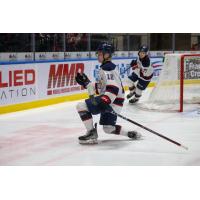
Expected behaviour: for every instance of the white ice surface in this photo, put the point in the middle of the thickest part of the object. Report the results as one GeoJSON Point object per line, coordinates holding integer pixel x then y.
{"type": "Point", "coordinates": [48, 136]}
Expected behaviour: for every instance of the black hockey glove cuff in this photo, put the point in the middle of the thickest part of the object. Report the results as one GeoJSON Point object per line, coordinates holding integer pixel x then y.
{"type": "Point", "coordinates": [82, 79]}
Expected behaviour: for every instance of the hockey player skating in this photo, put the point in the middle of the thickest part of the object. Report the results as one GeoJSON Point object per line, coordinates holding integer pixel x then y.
{"type": "Point", "coordinates": [111, 98]}
{"type": "Point", "coordinates": [141, 75]}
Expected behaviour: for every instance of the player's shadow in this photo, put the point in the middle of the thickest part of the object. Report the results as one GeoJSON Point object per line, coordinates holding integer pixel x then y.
{"type": "Point", "coordinates": [115, 143]}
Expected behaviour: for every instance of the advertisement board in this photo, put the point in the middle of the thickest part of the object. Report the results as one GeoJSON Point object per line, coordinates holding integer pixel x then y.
{"type": "Point", "coordinates": [29, 82]}
{"type": "Point", "coordinates": [192, 68]}
{"type": "Point", "coordinates": [18, 83]}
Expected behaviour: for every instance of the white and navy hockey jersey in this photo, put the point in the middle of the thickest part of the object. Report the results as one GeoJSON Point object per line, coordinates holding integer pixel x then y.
{"type": "Point", "coordinates": [145, 69]}
{"type": "Point", "coordinates": [109, 84]}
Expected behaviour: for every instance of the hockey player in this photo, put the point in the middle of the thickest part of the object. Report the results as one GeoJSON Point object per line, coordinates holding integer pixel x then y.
{"type": "Point", "coordinates": [141, 75]}
{"type": "Point", "coordinates": [111, 98]}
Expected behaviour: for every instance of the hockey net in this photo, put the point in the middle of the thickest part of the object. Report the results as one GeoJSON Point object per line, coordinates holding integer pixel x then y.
{"type": "Point", "coordinates": [178, 84]}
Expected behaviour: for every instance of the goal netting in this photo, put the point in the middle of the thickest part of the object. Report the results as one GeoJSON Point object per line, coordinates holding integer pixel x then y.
{"type": "Point", "coordinates": [177, 85]}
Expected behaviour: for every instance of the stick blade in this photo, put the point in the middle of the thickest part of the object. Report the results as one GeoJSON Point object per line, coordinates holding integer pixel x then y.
{"type": "Point", "coordinates": [186, 148]}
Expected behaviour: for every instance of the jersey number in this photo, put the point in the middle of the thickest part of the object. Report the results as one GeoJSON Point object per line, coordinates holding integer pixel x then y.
{"type": "Point", "coordinates": [110, 76]}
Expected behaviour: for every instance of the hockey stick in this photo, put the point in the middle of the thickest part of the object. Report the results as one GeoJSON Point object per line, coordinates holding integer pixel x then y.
{"type": "Point", "coordinates": [152, 131]}
{"type": "Point", "coordinates": [141, 126]}
{"type": "Point", "coordinates": [125, 70]}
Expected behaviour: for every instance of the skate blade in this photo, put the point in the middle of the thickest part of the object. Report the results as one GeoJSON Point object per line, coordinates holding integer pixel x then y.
{"type": "Point", "coordinates": [92, 141]}
{"type": "Point", "coordinates": [139, 137]}
{"type": "Point", "coordinates": [133, 102]}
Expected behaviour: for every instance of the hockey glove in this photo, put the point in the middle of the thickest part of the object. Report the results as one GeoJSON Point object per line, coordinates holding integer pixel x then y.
{"type": "Point", "coordinates": [134, 64]}
{"type": "Point", "coordinates": [82, 79]}
{"type": "Point", "coordinates": [104, 103]}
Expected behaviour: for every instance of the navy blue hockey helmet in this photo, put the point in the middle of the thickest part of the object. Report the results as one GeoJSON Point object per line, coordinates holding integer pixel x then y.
{"type": "Point", "coordinates": [144, 49]}
{"type": "Point", "coordinates": [106, 48]}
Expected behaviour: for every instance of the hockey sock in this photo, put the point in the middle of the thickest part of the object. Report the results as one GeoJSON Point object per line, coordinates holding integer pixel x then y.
{"type": "Point", "coordinates": [117, 130]}
{"type": "Point", "coordinates": [132, 89]}
{"type": "Point", "coordinates": [121, 131]}
{"type": "Point", "coordinates": [86, 117]}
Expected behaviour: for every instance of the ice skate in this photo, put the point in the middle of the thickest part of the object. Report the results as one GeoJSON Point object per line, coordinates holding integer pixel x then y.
{"type": "Point", "coordinates": [132, 92]}
{"type": "Point", "coordinates": [134, 135]}
{"type": "Point", "coordinates": [90, 137]}
{"type": "Point", "coordinates": [130, 95]}
{"type": "Point", "coordinates": [134, 100]}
